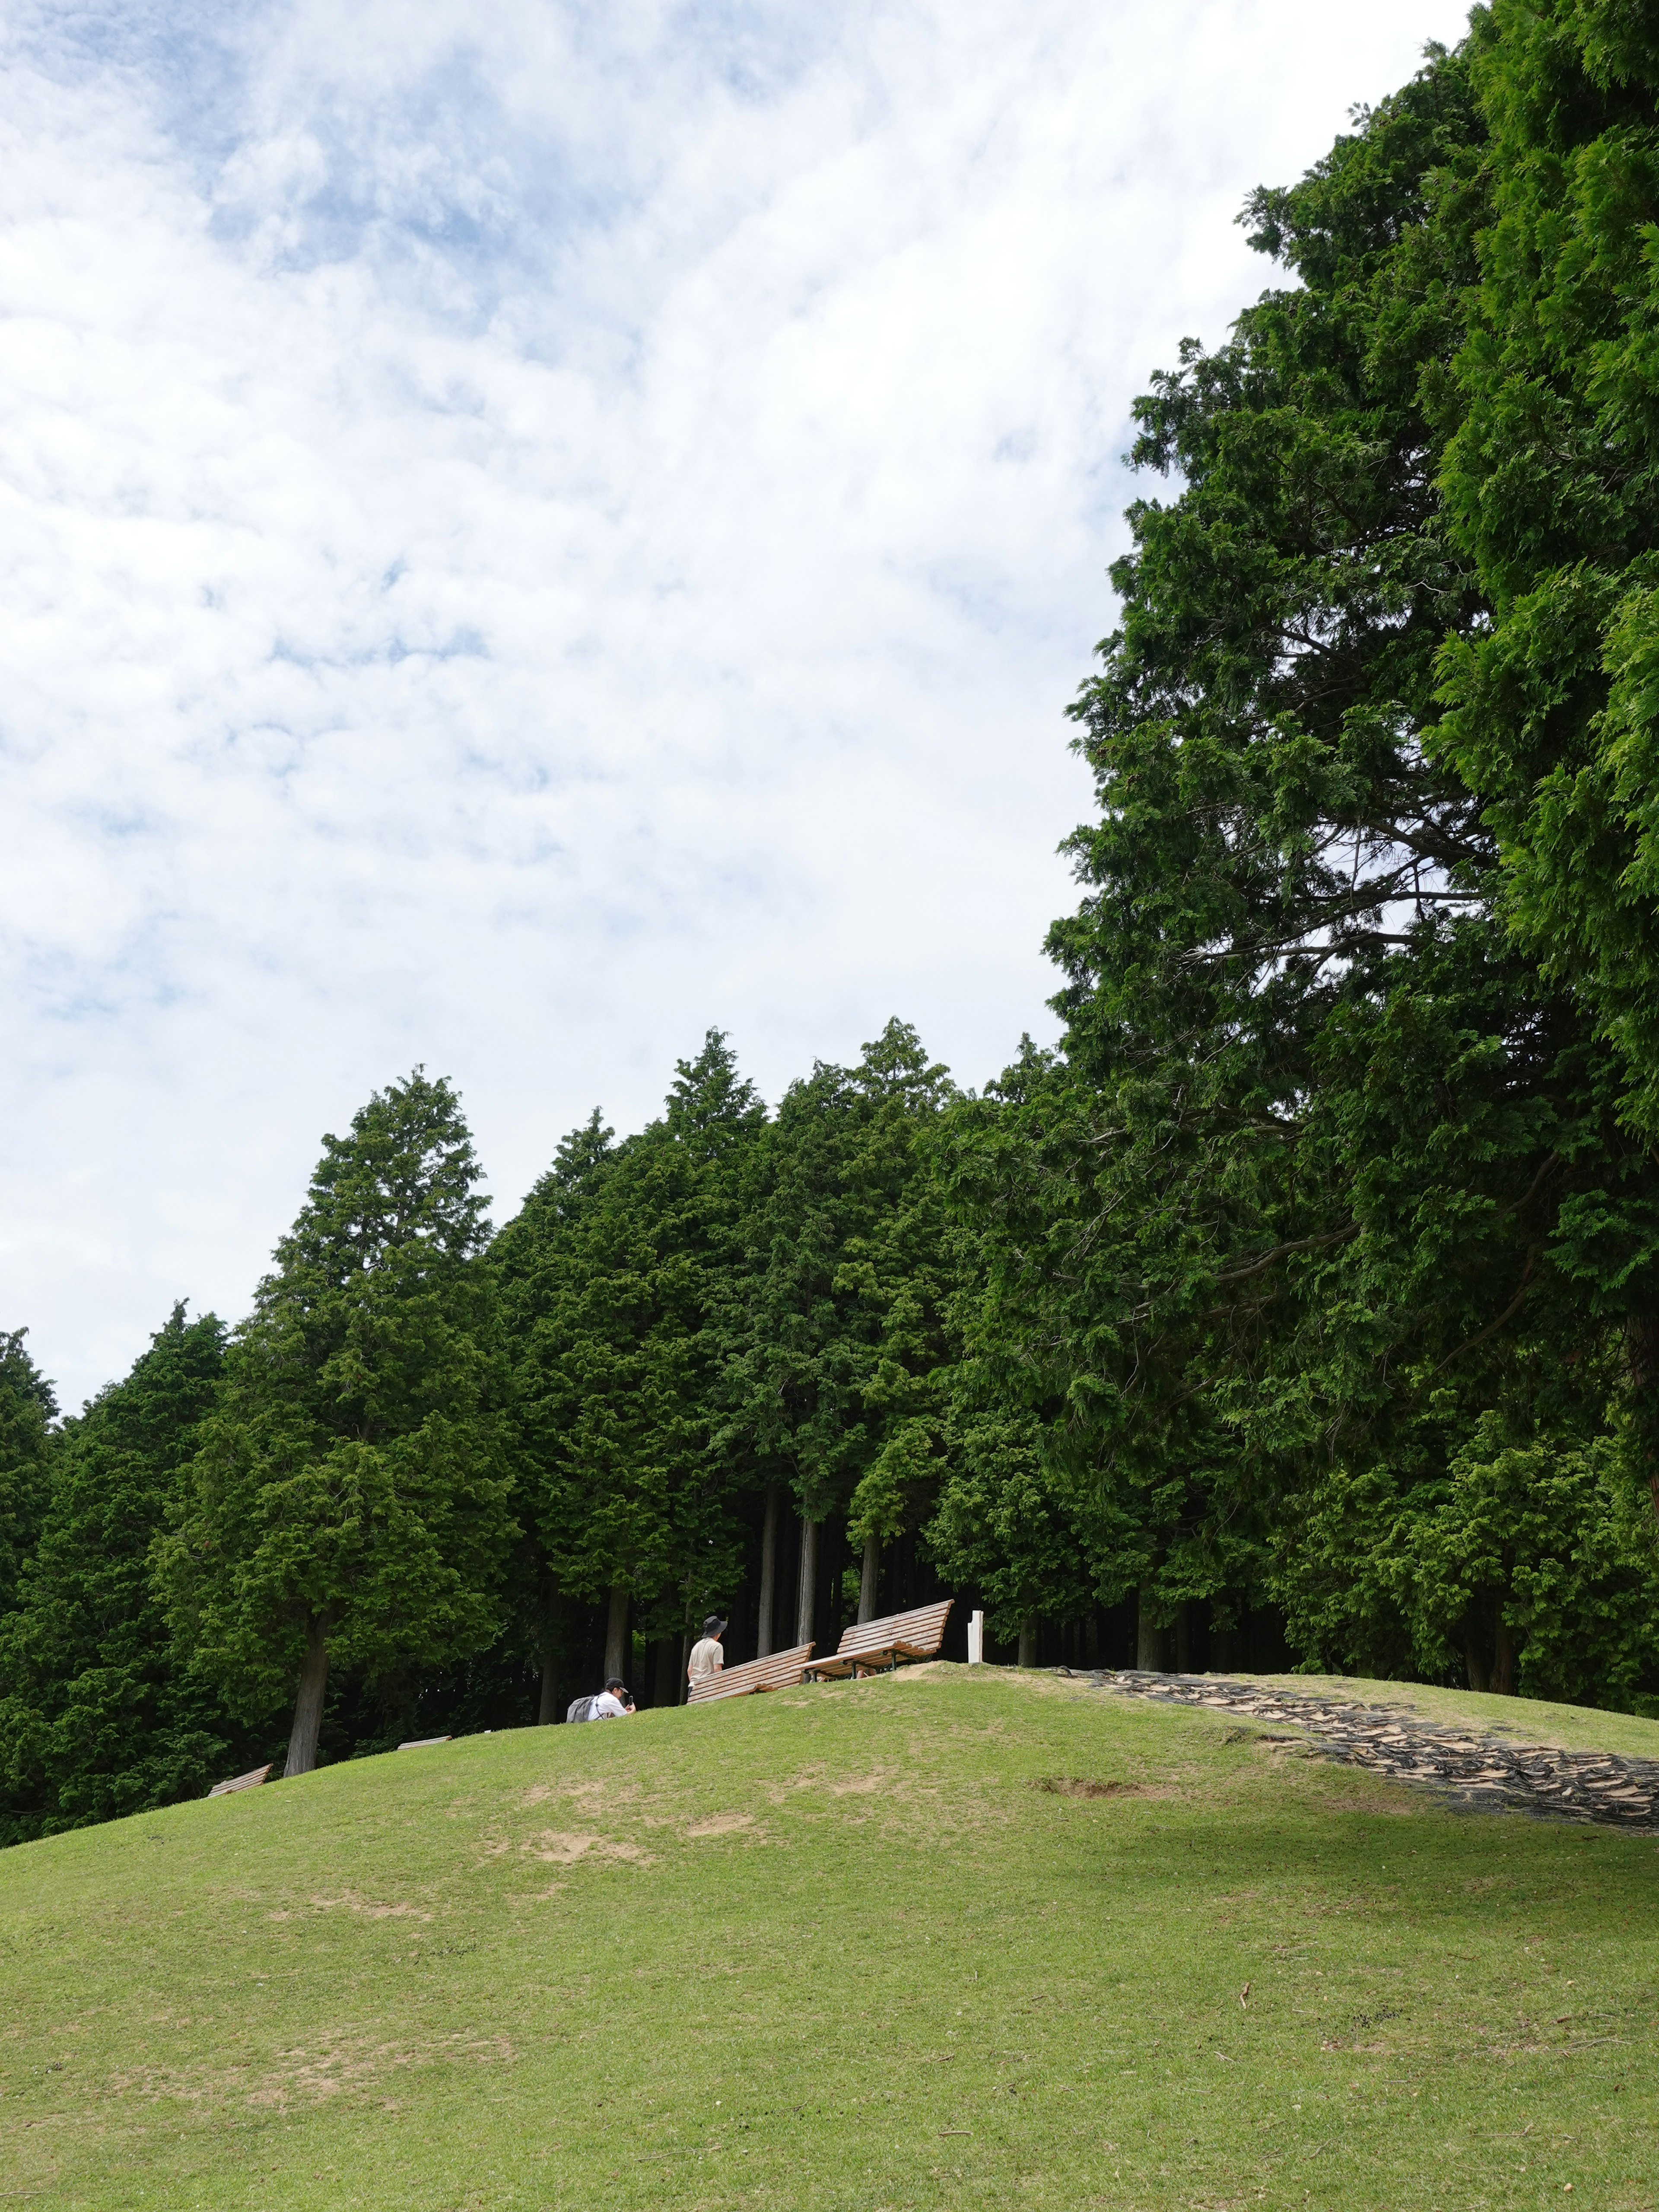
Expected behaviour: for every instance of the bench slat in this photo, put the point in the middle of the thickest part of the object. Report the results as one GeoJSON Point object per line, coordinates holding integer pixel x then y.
{"type": "Point", "coordinates": [924, 1624]}
{"type": "Point", "coordinates": [251, 1781]}
{"type": "Point", "coordinates": [781, 1670]}
{"type": "Point", "coordinates": [883, 1643]}
{"type": "Point", "coordinates": [880, 1660]}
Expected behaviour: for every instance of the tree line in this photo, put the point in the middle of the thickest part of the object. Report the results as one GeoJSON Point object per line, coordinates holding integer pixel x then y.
{"type": "Point", "coordinates": [1302, 1306]}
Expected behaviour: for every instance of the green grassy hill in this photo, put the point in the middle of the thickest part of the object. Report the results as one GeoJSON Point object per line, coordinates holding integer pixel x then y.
{"type": "Point", "coordinates": [836, 1948]}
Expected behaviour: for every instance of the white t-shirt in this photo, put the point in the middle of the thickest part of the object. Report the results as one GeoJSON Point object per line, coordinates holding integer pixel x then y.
{"type": "Point", "coordinates": [607, 1706]}
{"type": "Point", "coordinates": [707, 1658]}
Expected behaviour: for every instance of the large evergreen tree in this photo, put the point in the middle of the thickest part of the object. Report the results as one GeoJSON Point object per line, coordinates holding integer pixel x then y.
{"type": "Point", "coordinates": [1551, 482]}
{"type": "Point", "coordinates": [350, 1503]}
{"type": "Point", "coordinates": [100, 1715]}
{"type": "Point", "coordinates": [622, 1276]}
{"type": "Point", "coordinates": [26, 1411]}
{"type": "Point", "coordinates": [530, 1255]}
{"type": "Point", "coordinates": [836, 1382]}
{"type": "Point", "coordinates": [1305, 1209]}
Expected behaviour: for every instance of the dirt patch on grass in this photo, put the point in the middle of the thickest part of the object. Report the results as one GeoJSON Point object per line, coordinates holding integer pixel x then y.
{"type": "Point", "coordinates": [722, 1824]}
{"type": "Point", "coordinates": [901, 1801]}
{"type": "Point", "coordinates": [369, 1909]}
{"type": "Point", "coordinates": [556, 1847]}
{"type": "Point", "coordinates": [588, 1796]}
{"type": "Point", "coordinates": [312, 2077]}
{"type": "Point", "coordinates": [1076, 1785]}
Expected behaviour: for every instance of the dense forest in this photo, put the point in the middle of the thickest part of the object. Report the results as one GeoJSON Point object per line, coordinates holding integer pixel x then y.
{"type": "Point", "coordinates": [1301, 1308]}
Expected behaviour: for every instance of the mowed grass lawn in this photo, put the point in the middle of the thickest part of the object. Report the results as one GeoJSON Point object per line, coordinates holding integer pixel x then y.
{"type": "Point", "coordinates": [836, 1948]}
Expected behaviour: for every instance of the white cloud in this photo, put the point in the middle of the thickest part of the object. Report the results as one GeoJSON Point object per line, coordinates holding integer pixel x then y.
{"type": "Point", "coordinates": [532, 531]}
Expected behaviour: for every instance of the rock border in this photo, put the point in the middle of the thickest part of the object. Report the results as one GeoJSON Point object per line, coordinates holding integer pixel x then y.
{"type": "Point", "coordinates": [1471, 1770]}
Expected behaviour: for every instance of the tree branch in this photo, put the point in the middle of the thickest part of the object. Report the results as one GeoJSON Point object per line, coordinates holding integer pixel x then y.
{"type": "Point", "coordinates": [1493, 1327]}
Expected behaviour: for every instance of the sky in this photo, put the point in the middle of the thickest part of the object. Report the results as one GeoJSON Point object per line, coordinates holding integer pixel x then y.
{"type": "Point", "coordinates": [533, 533]}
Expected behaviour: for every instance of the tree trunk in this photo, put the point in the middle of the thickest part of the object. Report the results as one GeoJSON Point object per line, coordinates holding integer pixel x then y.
{"type": "Point", "coordinates": [867, 1580]}
{"type": "Point", "coordinates": [1642, 1358]}
{"type": "Point", "coordinates": [308, 1704]}
{"type": "Point", "coordinates": [1503, 1673]}
{"type": "Point", "coordinates": [662, 1674]}
{"type": "Point", "coordinates": [616, 1635]}
{"type": "Point", "coordinates": [806, 1603]}
{"type": "Point", "coordinates": [769, 1573]}
{"type": "Point", "coordinates": [1149, 1637]}
{"type": "Point", "coordinates": [547, 1709]}
{"type": "Point", "coordinates": [684, 1689]}
{"type": "Point", "coordinates": [1183, 1637]}
{"type": "Point", "coordinates": [1028, 1640]}
{"type": "Point", "coordinates": [1475, 1657]}
{"type": "Point", "coordinates": [1091, 1637]}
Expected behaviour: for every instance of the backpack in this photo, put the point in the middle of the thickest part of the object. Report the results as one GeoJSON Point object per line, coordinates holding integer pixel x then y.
{"type": "Point", "coordinates": [581, 1708]}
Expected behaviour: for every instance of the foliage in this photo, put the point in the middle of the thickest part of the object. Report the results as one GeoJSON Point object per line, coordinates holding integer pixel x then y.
{"type": "Point", "coordinates": [1527, 1565]}
{"type": "Point", "coordinates": [1331, 1174]}
{"type": "Point", "coordinates": [26, 1411]}
{"type": "Point", "coordinates": [621, 1277]}
{"type": "Point", "coordinates": [1550, 485]}
{"type": "Point", "coordinates": [835, 1378]}
{"type": "Point", "coordinates": [352, 1483]}
{"type": "Point", "coordinates": [1008, 1524]}
{"type": "Point", "coordinates": [1274, 844]}
{"type": "Point", "coordinates": [97, 1722]}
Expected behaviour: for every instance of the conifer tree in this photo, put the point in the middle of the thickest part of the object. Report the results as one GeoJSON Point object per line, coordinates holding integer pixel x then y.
{"type": "Point", "coordinates": [1551, 480]}
{"type": "Point", "coordinates": [349, 1504]}
{"type": "Point", "coordinates": [1550, 485]}
{"type": "Point", "coordinates": [26, 1411]}
{"type": "Point", "coordinates": [530, 1255]}
{"type": "Point", "coordinates": [101, 1718]}
{"type": "Point", "coordinates": [1010, 1526]}
{"type": "Point", "coordinates": [843, 1339]}
{"type": "Point", "coordinates": [1330, 1174]}
{"type": "Point", "coordinates": [1274, 847]}
{"type": "Point", "coordinates": [620, 1280]}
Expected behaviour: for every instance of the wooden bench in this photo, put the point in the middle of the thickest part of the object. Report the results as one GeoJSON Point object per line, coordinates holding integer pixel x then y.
{"type": "Point", "coordinates": [782, 1671]}
{"type": "Point", "coordinates": [251, 1781]}
{"type": "Point", "coordinates": [879, 1647]}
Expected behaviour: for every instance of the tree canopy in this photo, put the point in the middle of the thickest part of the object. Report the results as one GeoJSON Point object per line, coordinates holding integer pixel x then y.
{"type": "Point", "coordinates": [98, 1718]}
{"type": "Point", "coordinates": [352, 1495]}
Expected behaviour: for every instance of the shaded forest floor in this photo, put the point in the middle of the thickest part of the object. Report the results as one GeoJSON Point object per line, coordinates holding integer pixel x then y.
{"type": "Point", "coordinates": [943, 1940]}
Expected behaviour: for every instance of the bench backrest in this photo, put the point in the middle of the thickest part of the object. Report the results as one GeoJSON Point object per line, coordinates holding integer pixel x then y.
{"type": "Point", "coordinates": [922, 1629]}
{"type": "Point", "coordinates": [251, 1781]}
{"type": "Point", "coordinates": [780, 1672]}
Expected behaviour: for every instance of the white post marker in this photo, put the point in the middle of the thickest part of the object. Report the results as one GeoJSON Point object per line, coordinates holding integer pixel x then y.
{"type": "Point", "coordinates": [976, 1639]}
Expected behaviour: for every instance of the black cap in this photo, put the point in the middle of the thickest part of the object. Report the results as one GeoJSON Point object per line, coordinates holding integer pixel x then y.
{"type": "Point", "coordinates": [714, 1626]}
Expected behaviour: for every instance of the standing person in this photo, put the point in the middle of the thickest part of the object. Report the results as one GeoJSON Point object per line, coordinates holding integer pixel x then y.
{"type": "Point", "coordinates": [707, 1657]}
{"type": "Point", "coordinates": [613, 1702]}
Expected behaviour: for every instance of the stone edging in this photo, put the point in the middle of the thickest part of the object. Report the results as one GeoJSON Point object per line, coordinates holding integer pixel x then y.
{"type": "Point", "coordinates": [1471, 1770]}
